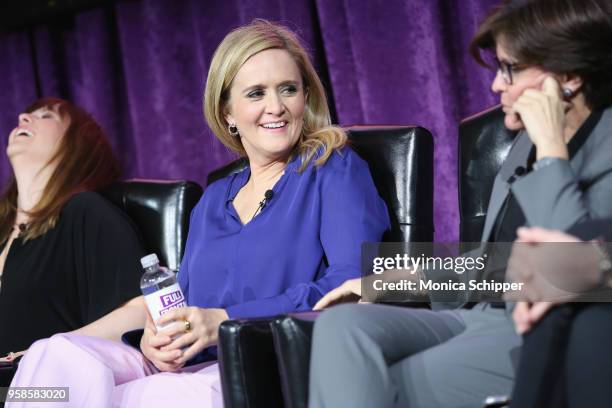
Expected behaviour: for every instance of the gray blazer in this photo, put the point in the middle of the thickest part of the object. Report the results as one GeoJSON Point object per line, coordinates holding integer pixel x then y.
{"type": "Point", "coordinates": [563, 193]}
{"type": "Point", "coordinates": [557, 196]}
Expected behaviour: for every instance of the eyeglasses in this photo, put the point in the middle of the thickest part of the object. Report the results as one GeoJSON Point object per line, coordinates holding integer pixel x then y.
{"type": "Point", "coordinates": [507, 70]}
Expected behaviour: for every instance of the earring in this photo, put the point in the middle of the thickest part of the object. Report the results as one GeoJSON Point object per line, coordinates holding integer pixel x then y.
{"type": "Point", "coordinates": [567, 93]}
{"type": "Point", "coordinates": [233, 130]}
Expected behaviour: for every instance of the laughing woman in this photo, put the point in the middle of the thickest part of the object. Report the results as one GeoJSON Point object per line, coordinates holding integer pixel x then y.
{"type": "Point", "coordinates": [67, 256]}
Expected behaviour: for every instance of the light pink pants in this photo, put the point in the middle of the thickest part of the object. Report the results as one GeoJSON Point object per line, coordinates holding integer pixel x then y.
{"type": "Point", "coordinates": [104, 373]}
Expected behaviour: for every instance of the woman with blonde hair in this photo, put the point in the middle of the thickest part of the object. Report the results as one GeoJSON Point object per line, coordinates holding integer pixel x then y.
{"type": "Point", "coordinates": [269, 239]}
{"type": "Point", "coordinates": [67, 256]}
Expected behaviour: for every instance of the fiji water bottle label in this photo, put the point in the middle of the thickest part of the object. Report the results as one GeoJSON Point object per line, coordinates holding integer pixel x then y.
{"type": "Point", "coordinates": [164, 300]}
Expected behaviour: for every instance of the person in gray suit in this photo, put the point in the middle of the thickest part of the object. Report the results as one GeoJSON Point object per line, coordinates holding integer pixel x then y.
{"type": "Point", "coordinates": [554, 77]}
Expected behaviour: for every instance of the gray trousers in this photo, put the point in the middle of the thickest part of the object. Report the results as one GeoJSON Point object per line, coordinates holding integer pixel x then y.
{"type": "Point", "coordinates": [385, 356]}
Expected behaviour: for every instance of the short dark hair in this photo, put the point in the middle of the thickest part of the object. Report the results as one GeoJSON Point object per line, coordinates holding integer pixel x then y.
{"type": "Point", "coordinates": [560, 36]}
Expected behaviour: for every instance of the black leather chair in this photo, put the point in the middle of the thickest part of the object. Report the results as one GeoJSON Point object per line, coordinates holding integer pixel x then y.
{"type": "Point", "coordinates": [484, 143]}
{"type": "Point", "coordinates": [292, 336]}
{"type": "Point", "coordinates": [252, 351]}
{"type": "Point", "coordinates": [160, 210]}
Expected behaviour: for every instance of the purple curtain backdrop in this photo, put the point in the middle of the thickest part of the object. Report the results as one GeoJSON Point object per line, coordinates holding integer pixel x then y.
{"type": "Point", "coordinates": [140, 68]}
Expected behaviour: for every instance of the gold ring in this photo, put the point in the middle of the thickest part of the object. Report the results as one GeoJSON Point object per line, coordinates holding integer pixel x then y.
{"type": "Point", "coordinates": [187, 326]}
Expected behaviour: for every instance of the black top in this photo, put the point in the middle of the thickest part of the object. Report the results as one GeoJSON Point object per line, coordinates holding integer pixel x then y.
{"type": "Point", "coordinates": [81, 269]}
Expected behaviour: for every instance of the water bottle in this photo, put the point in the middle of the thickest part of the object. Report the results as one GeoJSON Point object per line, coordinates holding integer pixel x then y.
{"type": "Point", "coordinates": [161, 291]}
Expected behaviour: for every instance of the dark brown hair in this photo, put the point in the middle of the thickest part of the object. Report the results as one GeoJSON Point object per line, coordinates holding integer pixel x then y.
{"type": "Point", "coordinates": [85, 162]}
{"type": "Point", "coordinates": [560, 36]}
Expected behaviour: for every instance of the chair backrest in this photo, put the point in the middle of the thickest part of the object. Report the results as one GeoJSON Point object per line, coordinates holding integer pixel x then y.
{"type": "Point", "coordinates": [484, 143]}
{"type": "Point", "coordinates": [401, 163]}
{"type": "Point", "coordinates": [160, 210]}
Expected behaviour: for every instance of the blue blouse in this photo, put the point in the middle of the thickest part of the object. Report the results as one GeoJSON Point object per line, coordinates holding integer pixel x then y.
{"type": "Point", "coordinates": [305, 242]}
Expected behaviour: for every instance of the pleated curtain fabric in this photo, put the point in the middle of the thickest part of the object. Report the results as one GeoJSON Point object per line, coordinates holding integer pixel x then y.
{"type": "Point", "coordinates": [140, 68]}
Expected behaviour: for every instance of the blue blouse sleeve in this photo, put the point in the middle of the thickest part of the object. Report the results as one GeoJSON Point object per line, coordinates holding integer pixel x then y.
{"type": "Point", "coordinates": [352, 213]}
{"type": "Point", "coordinates": [195, 220]}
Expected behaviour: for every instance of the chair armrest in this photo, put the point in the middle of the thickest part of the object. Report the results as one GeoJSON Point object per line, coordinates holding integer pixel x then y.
{"type": "Point", "coordinates": [292, 336]}
{"type": "Point", "coordinates": [247, 364]}
{"type": "Point", "coordinates": [132, 338]}
{"type": "Point", "coordinates": [7, 372]}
